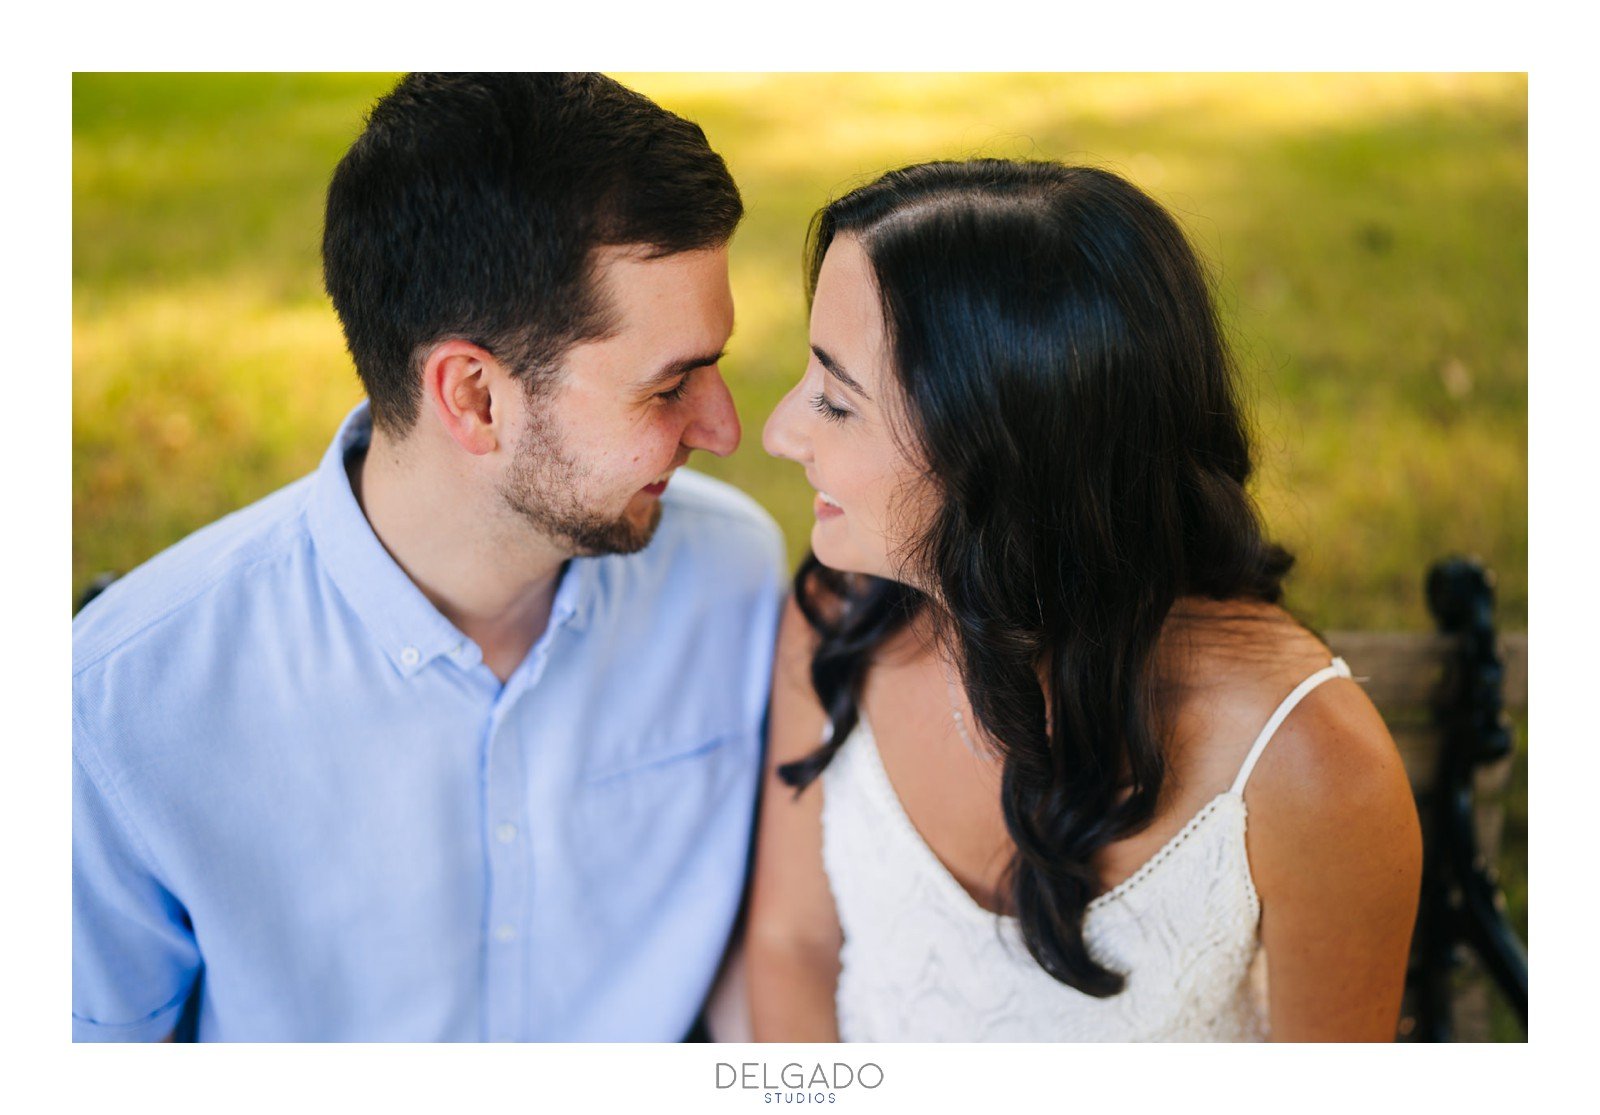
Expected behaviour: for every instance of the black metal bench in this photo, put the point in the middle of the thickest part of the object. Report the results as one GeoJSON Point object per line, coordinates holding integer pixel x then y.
{"type": "Point", "coordinates": [1445, 698]}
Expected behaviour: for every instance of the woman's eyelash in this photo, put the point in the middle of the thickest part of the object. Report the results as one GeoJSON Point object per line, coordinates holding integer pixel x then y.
{"type": "Point", "coordinates": [820, 404]}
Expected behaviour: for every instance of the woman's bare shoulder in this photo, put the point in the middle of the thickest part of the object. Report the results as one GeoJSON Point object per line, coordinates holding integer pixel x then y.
{"type": "Point", "coordinates": [1333, 734]}
{"type": "Point", "coordinates": [1329, 789]}
{"type": "Point", "coordinates": [1330, 754]}
{"type": "Point", "coordinates": [1335, 853]}
{"type": "Point", "coordinates": [1231, 664]}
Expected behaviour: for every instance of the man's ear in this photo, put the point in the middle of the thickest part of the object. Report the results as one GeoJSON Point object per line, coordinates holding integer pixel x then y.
{"type": "Point", "coordinates": [459, 384]}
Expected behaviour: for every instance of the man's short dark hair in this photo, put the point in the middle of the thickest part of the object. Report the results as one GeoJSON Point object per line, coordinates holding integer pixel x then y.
{"type": "Point", "coordinates": [470, 208]}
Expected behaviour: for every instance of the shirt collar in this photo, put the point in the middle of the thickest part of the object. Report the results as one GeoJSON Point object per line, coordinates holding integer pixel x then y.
{"type": "Point", "coordinates": [411, 631]}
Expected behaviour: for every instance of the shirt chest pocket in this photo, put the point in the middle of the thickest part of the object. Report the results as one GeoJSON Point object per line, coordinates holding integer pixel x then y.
{"type": "Point", "coordinates": [649, 811]}
{"type": "Point", "coordinates": [650, 757]}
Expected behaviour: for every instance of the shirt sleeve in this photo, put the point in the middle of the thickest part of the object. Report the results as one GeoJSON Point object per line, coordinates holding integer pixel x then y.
{"type": "Point", "coordinates": [134, 957]}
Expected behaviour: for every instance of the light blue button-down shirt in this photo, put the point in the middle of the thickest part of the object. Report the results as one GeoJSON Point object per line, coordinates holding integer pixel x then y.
{"type": "Point", "coordinates": [293, 774]}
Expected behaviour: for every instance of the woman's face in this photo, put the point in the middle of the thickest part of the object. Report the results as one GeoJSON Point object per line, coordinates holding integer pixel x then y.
{"type": "Point", "coordinates": [836, 423]}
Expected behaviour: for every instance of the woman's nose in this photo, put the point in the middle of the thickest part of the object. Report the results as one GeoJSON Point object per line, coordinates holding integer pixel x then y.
{"type": "Point", "coordinates": [782, 435]}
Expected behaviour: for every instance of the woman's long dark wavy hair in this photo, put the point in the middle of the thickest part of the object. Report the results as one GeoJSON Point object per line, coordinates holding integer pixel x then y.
{"type": "Point", "coordinates": [1066, 382]}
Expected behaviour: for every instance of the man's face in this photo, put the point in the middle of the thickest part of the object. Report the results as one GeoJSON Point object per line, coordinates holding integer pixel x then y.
{"type": "Point", "coordinates": [595, 452]}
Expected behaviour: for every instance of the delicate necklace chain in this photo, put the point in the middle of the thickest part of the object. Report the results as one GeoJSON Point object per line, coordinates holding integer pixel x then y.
{"type": "Point", "coordinates": [955, 712]}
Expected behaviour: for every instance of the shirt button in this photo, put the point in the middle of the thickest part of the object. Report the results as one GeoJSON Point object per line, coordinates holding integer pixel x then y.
{"type": "Point", "coordinates": [506, 833]}
{"type": "Point", "coordinates": [505, 934]}
{"type": "Point", "coordinates": [410, 656]}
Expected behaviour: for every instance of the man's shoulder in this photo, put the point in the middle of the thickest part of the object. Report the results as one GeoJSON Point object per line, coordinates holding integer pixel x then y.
{"type": "Point", "coordinates": [694, 493]}
{"type": "Point", "coordinates": [714, 549]}
{"type": "Point", "coordinates": [190, 573]}
{"type": "Point", "coordinates": [707, 516]}
{"type": "Point", "coordinates": [708, 588]}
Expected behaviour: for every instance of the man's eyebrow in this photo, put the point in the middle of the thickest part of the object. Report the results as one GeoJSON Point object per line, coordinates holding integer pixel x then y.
{"type": "Point", "coordinates": [840, 374]}
{"type": "Point", "coordinates": [660, 379]}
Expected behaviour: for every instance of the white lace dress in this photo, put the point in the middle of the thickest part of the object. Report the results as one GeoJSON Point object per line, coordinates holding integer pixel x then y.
{"type": "Point", "coordinates": [923, 962]}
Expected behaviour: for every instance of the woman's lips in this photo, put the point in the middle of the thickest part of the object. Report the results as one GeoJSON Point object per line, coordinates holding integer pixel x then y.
{"type": "Point", "coordinates": [825, 507]}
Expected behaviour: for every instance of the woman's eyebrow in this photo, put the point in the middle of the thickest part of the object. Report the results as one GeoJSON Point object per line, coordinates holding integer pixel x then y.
{"type": "Point", "coordinates": [839, 373]}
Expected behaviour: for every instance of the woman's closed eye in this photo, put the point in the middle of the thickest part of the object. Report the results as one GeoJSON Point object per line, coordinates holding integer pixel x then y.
{"type": "Point", "coordinates": [823, 406]}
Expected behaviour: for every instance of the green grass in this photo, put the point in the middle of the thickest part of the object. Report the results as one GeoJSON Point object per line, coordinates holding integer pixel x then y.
{"type": "Point", "coordinates": [1369, 235]}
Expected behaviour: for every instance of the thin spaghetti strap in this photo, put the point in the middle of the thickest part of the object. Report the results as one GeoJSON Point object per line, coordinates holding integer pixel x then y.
{"type": "Point", "coordinates": [1337, 670]}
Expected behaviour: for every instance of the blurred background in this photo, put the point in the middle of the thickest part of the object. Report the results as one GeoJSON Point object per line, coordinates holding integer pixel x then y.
{"type": "Point", "coordinates": [1368, 234]}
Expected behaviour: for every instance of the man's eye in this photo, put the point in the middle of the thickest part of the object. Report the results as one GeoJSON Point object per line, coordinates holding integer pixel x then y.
{"type": "Point", "coordinates": [673, 394]}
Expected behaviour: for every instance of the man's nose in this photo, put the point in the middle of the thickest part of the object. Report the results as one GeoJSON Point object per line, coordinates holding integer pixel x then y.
{"type": "Point", "coordinates": [715, 427]}
{"type": "Point", "coordinates": [781, 436]}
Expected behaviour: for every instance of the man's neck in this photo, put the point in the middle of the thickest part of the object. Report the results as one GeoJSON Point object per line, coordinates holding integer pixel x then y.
{"type": "Point", "coordinates": [490, 579]}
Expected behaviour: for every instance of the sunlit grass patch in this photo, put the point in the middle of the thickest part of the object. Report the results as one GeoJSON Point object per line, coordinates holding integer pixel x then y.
{"type": "Point", "coordinates": [189, 403]}
{"type": "Point", "coordinates": [1368, 233]}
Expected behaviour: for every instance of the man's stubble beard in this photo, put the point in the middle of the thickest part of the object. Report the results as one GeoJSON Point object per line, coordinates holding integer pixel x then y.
{"type": "Point", "coordinates": [544, 487]}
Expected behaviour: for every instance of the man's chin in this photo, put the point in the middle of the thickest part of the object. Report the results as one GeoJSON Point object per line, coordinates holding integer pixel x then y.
{"type": "Point", "coordinates": [628, 534]}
